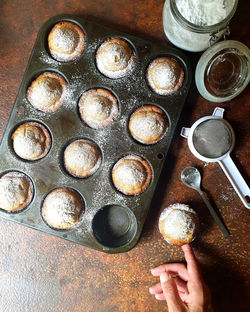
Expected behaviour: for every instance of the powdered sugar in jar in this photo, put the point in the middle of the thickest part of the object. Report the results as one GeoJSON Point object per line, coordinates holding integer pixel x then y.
{"type": "Point", "coordinates": [194, 25]}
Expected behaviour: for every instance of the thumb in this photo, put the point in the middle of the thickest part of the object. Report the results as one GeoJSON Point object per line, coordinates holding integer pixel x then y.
{"type": "Point", "coordinates": [171, 293]}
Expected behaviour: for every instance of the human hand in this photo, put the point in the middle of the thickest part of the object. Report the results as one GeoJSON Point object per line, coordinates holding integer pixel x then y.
{"type": "Point", "coordinates": [182, 286]}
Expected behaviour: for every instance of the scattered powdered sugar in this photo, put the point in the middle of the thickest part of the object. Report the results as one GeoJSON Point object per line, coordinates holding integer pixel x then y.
{"type": "Point", "coordinates": [177, 224]}
{"type": "Point", "coordinates": [203, 13]}
{"type": "Point", "coordinates": [15, 190]}
{"type": "Point", "coordinates": [114, 60]}
{"type": "Point", "coordinates": [45, 58]}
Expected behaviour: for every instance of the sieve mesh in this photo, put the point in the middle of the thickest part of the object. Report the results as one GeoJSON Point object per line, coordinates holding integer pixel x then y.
{"type": "Point", "coordinates": [212, 138]}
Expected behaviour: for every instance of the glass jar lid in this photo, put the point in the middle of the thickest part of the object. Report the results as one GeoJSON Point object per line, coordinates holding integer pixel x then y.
{"type": "Point", "coordinates": [223, 71]}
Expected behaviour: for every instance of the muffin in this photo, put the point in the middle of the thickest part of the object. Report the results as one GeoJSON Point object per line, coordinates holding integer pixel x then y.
{"type": "Point", "coordinates": [98, 108]}
{"type": "Point", "coordinates": [165, 75]}
{"type": "Point", "coordinates": [31, 141]}
{"type": "Point", "coordinates": [178, 224]}
{"type": "Point", "coordinates": [46, 93]}
{"type": "Point", "coordinates": [115, 58]}
{"type": "Point", "coordinates": [63, 208]}
{"type": "Point", "coordinates": [148, 124]}
{"type": "Point", "coordinates": [66, 41]}
{"type": "Point", "coordinates": [82, 158]}
{"type": "Point", "coordinates": [132, 175]}
{"type": "Point", "coordinates": [16, 191]}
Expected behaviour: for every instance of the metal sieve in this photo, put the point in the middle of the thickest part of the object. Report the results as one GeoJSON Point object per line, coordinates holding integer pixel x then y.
{"type": "Point", "coordinates": [211, 139]}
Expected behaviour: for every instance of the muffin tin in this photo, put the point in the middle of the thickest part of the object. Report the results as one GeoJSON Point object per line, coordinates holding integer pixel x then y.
{"type": "Point", "coordinates": [112, 222]}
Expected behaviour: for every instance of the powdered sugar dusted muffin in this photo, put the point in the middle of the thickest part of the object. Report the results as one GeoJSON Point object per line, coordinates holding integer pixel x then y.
{"type": "Point", "coordinates": [31, 141]}
{"type": "Point", "coordinates": [178, 224]}
{"type": "Point", "coordinates": [16, 191]}
{"type": "Point", "coordinates": [132, 175]}
{"type": "Point", "coordinates": [82, 158]}
{"type": "Point", "coordinates": [66, 41]}
{"type": "Point", "coordinates": [115, 58]}
{"type": "Point", "coordinates": [98, 108]}
{"type": "Point", "coordinates": [148, 124]}
{"type": "Point", "coordinates": [46, 93]}
{"type": "Point", "coordinates": [63, 208]}
{"type": "Point", "coordinates": [165, 75]}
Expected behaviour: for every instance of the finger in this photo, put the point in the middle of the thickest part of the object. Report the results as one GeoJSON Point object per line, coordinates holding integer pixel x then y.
{"type": "Point", "coordinates": [192, 265]}
{"type": "Point", "coordinates": [160, 296]}
{"type": "Point", "coordinates": [181, 285]}
{"type": "Point", "coordinates": [155, 289]}
{"type": "Point", "coordinates": [178, 268]}
{"type": "Point", "coordinates": [171, 293]}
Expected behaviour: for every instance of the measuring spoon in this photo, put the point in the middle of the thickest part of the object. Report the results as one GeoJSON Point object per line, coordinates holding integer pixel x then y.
{"type": "Point", "coordinates": [191, 177]}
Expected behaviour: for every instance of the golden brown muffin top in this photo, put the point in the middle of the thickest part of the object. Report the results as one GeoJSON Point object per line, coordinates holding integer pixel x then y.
{"type": "Point", "coordinates": [16, 191]}
{"type": "Point", "coordinates": [82, 158]}
{"type": "Point", "coordinates": [148, 124]}
{"type": "Point", "coordinates": [98, 108]}
{"type": "Point", "coordinates": [132, 175]}
{"type": "Point", "coordinates": [178, 224]}
{"type": "Point", "coordinates": [47, 92]}
{"type": "Point", "coordinates": [31, 141]}
{"type": "Point", "coordinates": [63, 208]}
{"type": "Point", "coordinates": [115, 58]}
{"type": "Point", "coordinates": [165, 75]}
{"type": "Point", "coordinates": [66, 41]}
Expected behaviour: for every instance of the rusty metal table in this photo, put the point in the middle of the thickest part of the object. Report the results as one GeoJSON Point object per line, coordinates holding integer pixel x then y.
{"type": "Point", "coordinates": [40, 272]}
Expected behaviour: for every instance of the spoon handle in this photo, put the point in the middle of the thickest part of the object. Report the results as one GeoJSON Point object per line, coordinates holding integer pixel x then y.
{"type": "Point", "coordinates": [218, 221]}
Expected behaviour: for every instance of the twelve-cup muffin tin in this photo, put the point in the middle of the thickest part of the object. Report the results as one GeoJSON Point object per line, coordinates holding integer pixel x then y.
{"type": "Point", "coordinates": [112, 222]}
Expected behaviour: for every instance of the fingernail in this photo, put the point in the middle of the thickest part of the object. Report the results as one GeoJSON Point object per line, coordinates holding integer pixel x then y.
{"type": "Point", "coordinates": [152, 271]}
{"type": "Point", "coordinates": [157, 297]}
{"type": "Point", "coordinates": [150, 290]}
{"type": "Point", "coordinates": [164, 277]}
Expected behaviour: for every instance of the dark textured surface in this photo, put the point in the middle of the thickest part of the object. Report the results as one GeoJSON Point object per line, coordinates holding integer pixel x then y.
{"type": "Point", "coordinates": [39, 272]}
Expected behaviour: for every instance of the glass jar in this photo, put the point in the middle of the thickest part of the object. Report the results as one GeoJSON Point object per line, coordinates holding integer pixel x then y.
{"type": "Point", "coordinates": [223, 71]}
{"type": "Point", "coordinates": [192, 37]}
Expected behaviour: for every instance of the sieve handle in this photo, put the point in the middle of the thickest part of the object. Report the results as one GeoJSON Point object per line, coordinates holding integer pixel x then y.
{"type": "Point", "coordinates": [218, 112]}
{"type": "Point", "coordinates": [185, 132]}
{"type": "Point", "coordinates": [236, 179]}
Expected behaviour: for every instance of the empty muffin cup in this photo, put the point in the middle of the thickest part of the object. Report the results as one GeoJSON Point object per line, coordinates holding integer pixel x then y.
{"type": "Point", "coordinates": [114, 226]}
